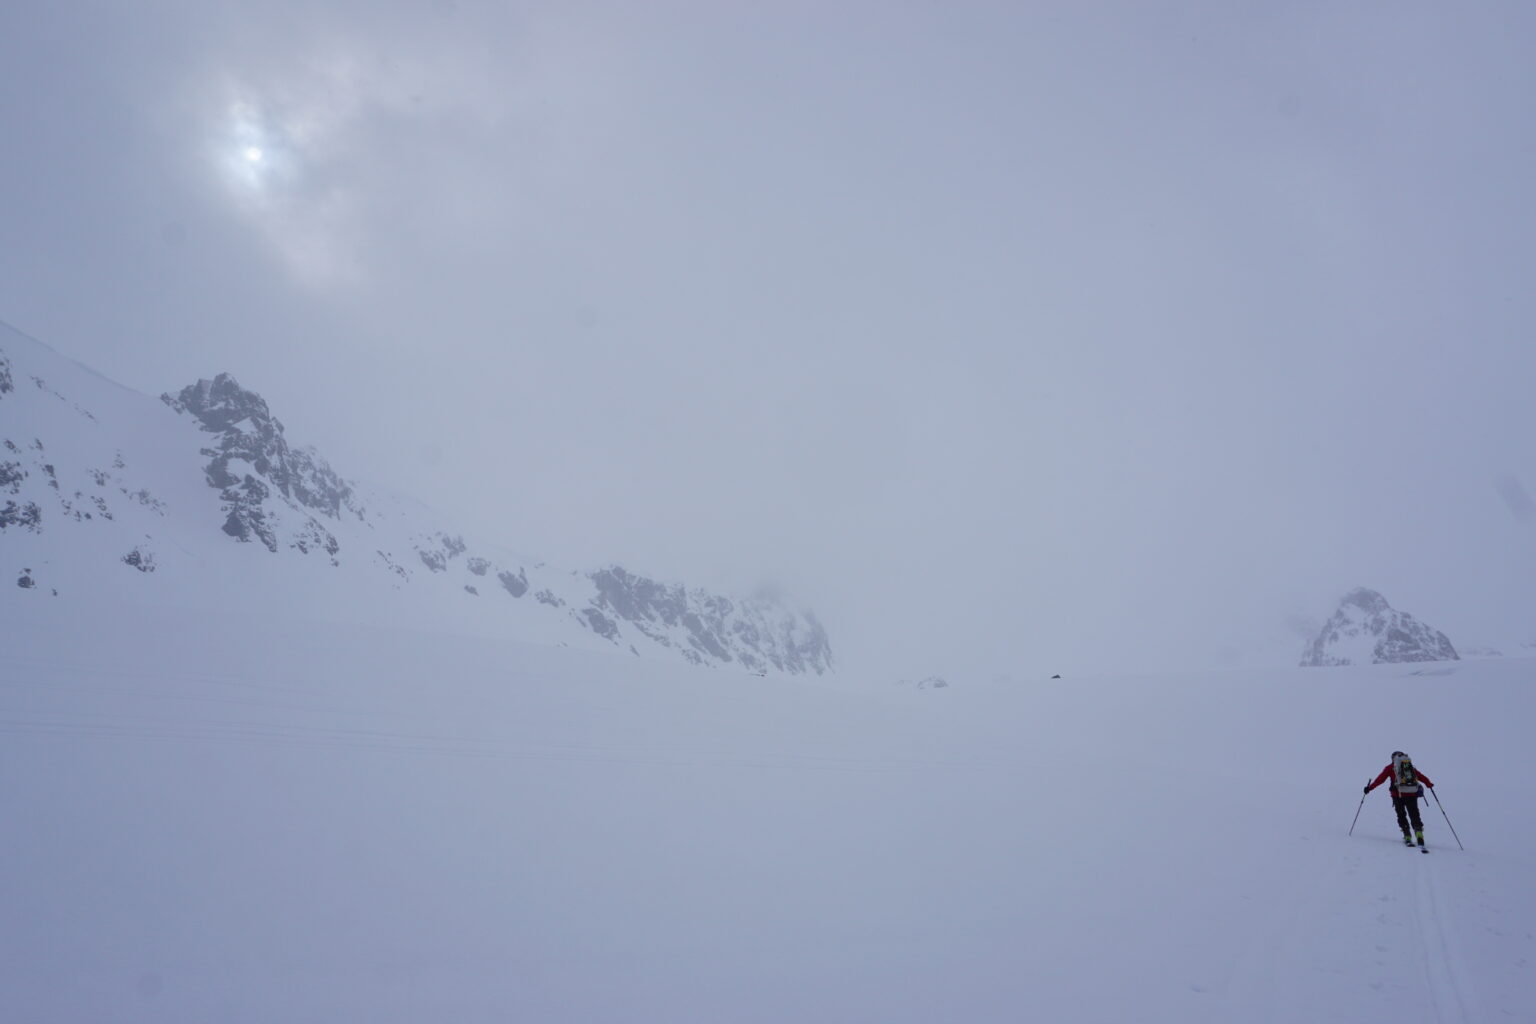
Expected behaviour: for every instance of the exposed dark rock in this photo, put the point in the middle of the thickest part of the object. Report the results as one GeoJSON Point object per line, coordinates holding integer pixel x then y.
{"type": "Point", "coordinates": [926, 683]}
{"type": "Point", "coordinates": [244, 502]}
{"type": "Point", "coordinates": [25, 580]}
{"type": "Point", "coordinates": [389, 563]}
{"type": "Point", "coordinates": [545, 597]}
{"type": "Point", "coordinates": [754, 634]}
{"type": "Point", "coordinates": [11, 476]}
{"type": "Point", "coordinates": [142, 560]}
{"type": "Point", "coordinates": [27, 515]}
{"type": "Point", "coordinates": [601, 624]}
{"type": "Point", "coordinates": [471, 590]}
{"type": "Point", "coordinates": [439, 549]}
{"type": "Point", "coordinates": [478, 566]}
{"type": "Point", "coordinates": [517, 585]}
{"type": "Point", "coordinates": [5, 376]}
{"type": "Point", "coordinates": [314, 537]}
{"type": "Point", "coordinates": [250, 461]}
{"type": "Point", "coordinates": [1367, 630]}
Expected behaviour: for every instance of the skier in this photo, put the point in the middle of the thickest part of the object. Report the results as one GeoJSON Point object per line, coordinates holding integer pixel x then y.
{"type": "Point", "coordinates": [1407, 786]}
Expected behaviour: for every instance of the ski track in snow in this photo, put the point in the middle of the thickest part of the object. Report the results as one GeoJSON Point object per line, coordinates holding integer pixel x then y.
{"type": "Point", "coordinates": [1358, 896]}
{"type": "Point", "coordinates": [1442, 955]}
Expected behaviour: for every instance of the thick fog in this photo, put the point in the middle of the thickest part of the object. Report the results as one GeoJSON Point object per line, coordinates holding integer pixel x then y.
{"type": "Point", "coordinates": [1011, 338]}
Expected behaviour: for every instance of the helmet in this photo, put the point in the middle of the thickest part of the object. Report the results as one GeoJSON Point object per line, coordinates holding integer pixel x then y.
{"type": "Point", "coordinates": [1398, 753]}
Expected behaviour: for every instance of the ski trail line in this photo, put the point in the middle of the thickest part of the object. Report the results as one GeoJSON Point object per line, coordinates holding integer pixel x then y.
{"type": "Point", "coordinates": [1439, 958]}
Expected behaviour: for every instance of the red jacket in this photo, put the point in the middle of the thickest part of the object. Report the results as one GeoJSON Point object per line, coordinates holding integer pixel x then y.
{"type": "Point", "coordinates": [1386, 773]}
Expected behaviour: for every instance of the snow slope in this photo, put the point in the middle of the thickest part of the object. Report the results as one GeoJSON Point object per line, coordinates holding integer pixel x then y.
{"type": "Point", "coordinates": [199, 499]}
{"type": "Point", "coordinates": [295, 822]}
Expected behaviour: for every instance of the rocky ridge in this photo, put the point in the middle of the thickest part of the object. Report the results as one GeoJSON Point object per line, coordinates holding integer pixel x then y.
{"type": "Point", "coordinates": [270, 491]}
{"type": "Point", "coordinates": [757, 634]}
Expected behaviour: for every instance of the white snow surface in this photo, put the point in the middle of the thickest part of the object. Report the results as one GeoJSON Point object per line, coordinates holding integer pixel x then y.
{"type": "Point", "coordinates": [237, 819]}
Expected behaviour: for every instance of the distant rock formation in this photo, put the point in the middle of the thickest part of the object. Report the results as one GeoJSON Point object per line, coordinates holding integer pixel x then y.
{"type": "Point", "coordinates": [706, 627]}
{"type": "Point", "coordinates": [926, 683]}
{"type": "Point", "coordinates": [1366, 630]}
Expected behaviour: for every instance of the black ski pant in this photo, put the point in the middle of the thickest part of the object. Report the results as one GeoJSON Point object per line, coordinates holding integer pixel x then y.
{"type": "Point", "coordinates": [1407, 808]}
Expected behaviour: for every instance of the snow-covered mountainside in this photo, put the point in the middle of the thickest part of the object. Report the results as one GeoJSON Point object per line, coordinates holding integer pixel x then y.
{"type": "Point", "coordinates": [200, 497]}
{"type": "Point", "coordinates": [1366, 630]}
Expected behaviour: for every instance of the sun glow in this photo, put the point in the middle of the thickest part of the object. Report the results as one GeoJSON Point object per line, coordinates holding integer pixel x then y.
{"type": "Point", "coordinates": [253, 150]}
{"type": "Point", "coordinates": [262, 149]}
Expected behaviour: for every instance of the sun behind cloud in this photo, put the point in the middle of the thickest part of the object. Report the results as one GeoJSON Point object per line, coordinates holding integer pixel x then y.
{"type": "Point", "coordinates": [334, 147]}
{"type": "Point", "coordinates": [270, 154]}
{"type": "Point", "coordinates": [255, 151]}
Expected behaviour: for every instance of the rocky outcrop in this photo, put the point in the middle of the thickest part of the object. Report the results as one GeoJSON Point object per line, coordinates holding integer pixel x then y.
{"type": "Point", "coordinates": [756, 634]}
{"type": "Point", "coordinates": [439, 549]}
{"type": "Point", "coordinates": [25, 515]}
{"type": "Point", "coordinates": [1366, 630]}
{"type": "Point", "coordinates": [927, 683]}
{"type": "Point", "coordinates": [141, 559]}
{"type": "Point", "coordinates": [251, 464]}
{"type": "Point", "coordinates": [517, 585]}
{"type": "Point", "coordinates": [5, 375]}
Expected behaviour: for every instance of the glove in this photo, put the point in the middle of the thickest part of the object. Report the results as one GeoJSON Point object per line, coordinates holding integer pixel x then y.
{"type": "Point", "coordinates": [1367, 787]}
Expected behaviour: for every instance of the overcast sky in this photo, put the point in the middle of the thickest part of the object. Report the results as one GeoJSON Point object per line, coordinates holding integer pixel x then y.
{"type": "Point", "coordinates": [1005, 335]}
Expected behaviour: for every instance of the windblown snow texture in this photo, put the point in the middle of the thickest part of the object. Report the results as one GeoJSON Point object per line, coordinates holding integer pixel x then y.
{"type": "Point", "coordinates": [1367, 630]}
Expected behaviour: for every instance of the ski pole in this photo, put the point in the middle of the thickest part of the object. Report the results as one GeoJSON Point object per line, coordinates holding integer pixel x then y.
{"type": "Point", "coordinates": [1447, 817]}
{"type": "Point", "coordinates": [1357, 815]}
